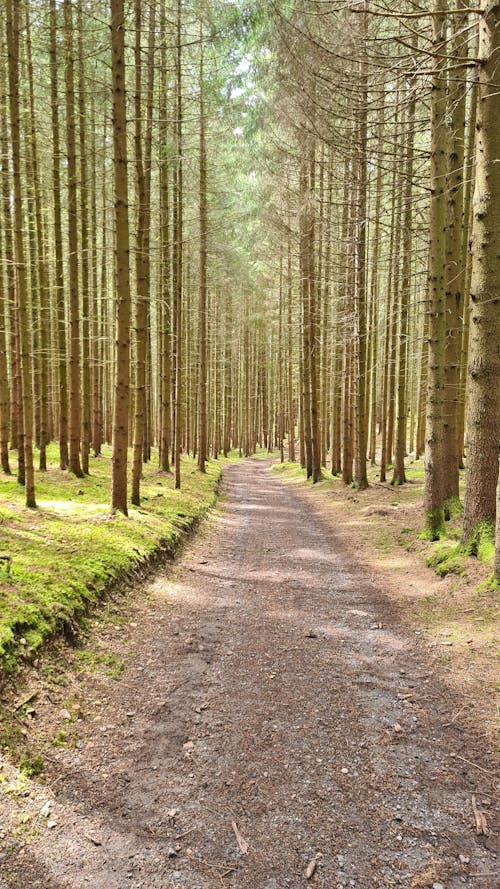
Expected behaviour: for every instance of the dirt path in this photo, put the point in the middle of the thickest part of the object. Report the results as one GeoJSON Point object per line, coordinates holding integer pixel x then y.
{"type": "Point", "coordinates": [259, 689]}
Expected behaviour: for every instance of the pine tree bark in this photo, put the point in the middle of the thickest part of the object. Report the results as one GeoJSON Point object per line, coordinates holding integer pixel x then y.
{"type": "Point", "coordinates": [291, 414]}
{"type": "Point", "coordinates": [360, 289]}
{"type": "Point", "coordinates": [312, 282]}
{"type": "Point", "coordinates": [122, 264]}
{"type": "Point", "coordinates": [8, 295]}
{"type": "Point", "coordinates": [399, 475]}
{"type": "Point", "coordinates": [454, 279]}
{"type": "Point", "coordinates": [178, 261]}
{"type": "Point", "coordinates": [41, 301]}
{"type": "Point", "coordinates": [86, 392]}
{"type": "Point", "coordinates": [202, 302]}
{"type": "Point", "coordinates": [74, 302]}
{"type": "Point", "coordinates": [434, 436]}
{"type": "Point", "coordinates": [96, 346]}
{"type": "Point", "coordinates": [4, 380]}
{"type": "Point", "coordinates": [58, 245]}
{"type": "Point", "coordinates": [497, 535]}
{"type": "Point", "coordinates": [465, 264]}
{"type": "Point", "coordinates": [483, 377]}
{"type": "Point", "coordinates": [305, 318]}
{"type": "Point", "coordinates": [143, 271]}
{"type": "Point", "coordinates": [23, 307]}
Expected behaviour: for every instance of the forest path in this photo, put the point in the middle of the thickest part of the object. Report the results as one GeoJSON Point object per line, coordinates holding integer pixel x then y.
{"type": "Point", "coordinates": [260, 690]}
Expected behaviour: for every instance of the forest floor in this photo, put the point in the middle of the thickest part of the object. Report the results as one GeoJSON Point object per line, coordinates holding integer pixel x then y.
{"type": "Point", "coordinates": [451, 603]}
{"type": "Point", "coordinates": [276, 720]}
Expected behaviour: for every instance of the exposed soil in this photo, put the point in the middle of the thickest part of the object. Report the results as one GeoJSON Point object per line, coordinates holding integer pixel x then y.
{"type": "Point", "coordinates": [268, 684]}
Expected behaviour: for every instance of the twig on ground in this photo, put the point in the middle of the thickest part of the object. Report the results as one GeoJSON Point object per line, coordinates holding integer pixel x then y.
{"type": "Point", "coordinates": [468, 761]}
{"type": "Point", "coordinates": [210, 864]}
{"type": "Point", "coordinates": [242, 843]}
{"type": "Point", "coordinates": [186, 832]}
{"type": "Point", "coordinates": [447, 724]}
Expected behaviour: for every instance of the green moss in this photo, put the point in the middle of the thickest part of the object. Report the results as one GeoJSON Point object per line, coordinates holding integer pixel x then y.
{"type": "Point", "coordinates": [67, 553]}
{"type": "Point", "coordinates": [482, 542]}
{"type": "Point", "coordinates": [434, 527]}
{"type": "Point", "coordinates": [447, 558]}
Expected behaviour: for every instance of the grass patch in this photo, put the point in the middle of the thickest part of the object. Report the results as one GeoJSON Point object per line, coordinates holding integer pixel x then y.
{"type": "Point", "coordinates": [69, 551]}
{"type": "Point", "coordinates": [102, 662]}
{"type": "Point", "coordinates": [490, 585]}
{"type": "Point", "coordinates": [31, 766]}
{"type": "Point", "coordinates": [384, 542]}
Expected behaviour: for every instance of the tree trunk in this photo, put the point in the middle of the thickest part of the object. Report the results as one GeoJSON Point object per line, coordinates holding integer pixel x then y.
{"type": "Point", "coordinates": [434, 434]}
{"type": "Point", "coordinates": [399, 476]}
{"type": "Point", "coordinates": [202, 304]}
{"type": "Point", "coordinates": [86, 390]}
{"type": "Point", "coordinates": [360, 288]}
{"type": "Point", "coordinates": [483, 379]}
{"type": "Point", "coordinates": [122, 264]}
{"type": "Point", "coordinates": [178, 242]}
{"type": "Point", "coordinates": [454, 279]}
{"type": "Point", "coordinates": [74, 302]}
{"type": "Point", "coordinates": [58, 245]}
{"type": "Point", "coordinates": [13, 31]}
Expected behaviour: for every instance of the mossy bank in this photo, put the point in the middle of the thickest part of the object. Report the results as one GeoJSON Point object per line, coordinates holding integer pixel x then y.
{"type": "Point", "coordinates": [67, 553]}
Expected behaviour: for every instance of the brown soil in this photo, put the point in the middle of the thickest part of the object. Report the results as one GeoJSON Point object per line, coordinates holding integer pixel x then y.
{"type": "Point", "coordinates": [269, 685]}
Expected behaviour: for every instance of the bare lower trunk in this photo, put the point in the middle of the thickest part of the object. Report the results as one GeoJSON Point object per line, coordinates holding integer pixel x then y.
{"type": "Point", "coordinates": [122, 264]}
{"type": "Point", "coordinates": [434, 434]}
{"type": "Point", "coordinates": [483, 381]}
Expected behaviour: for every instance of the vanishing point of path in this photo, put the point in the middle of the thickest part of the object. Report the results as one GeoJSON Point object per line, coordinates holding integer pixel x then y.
{"type": "Point", "coordinates": [270, 704]}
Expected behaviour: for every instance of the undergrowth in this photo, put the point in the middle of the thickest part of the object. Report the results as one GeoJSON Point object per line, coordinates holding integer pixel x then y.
{"type": "Point", "coordinates": [69, 551]}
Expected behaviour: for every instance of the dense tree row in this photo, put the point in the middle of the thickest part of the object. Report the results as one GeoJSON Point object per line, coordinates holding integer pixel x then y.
{"type": "Point", "coordinates": [386, 200]}
{"type": "Point", "coordinates": [225, 224]}
{"type": "Point", "coordinates": [126, 302]}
